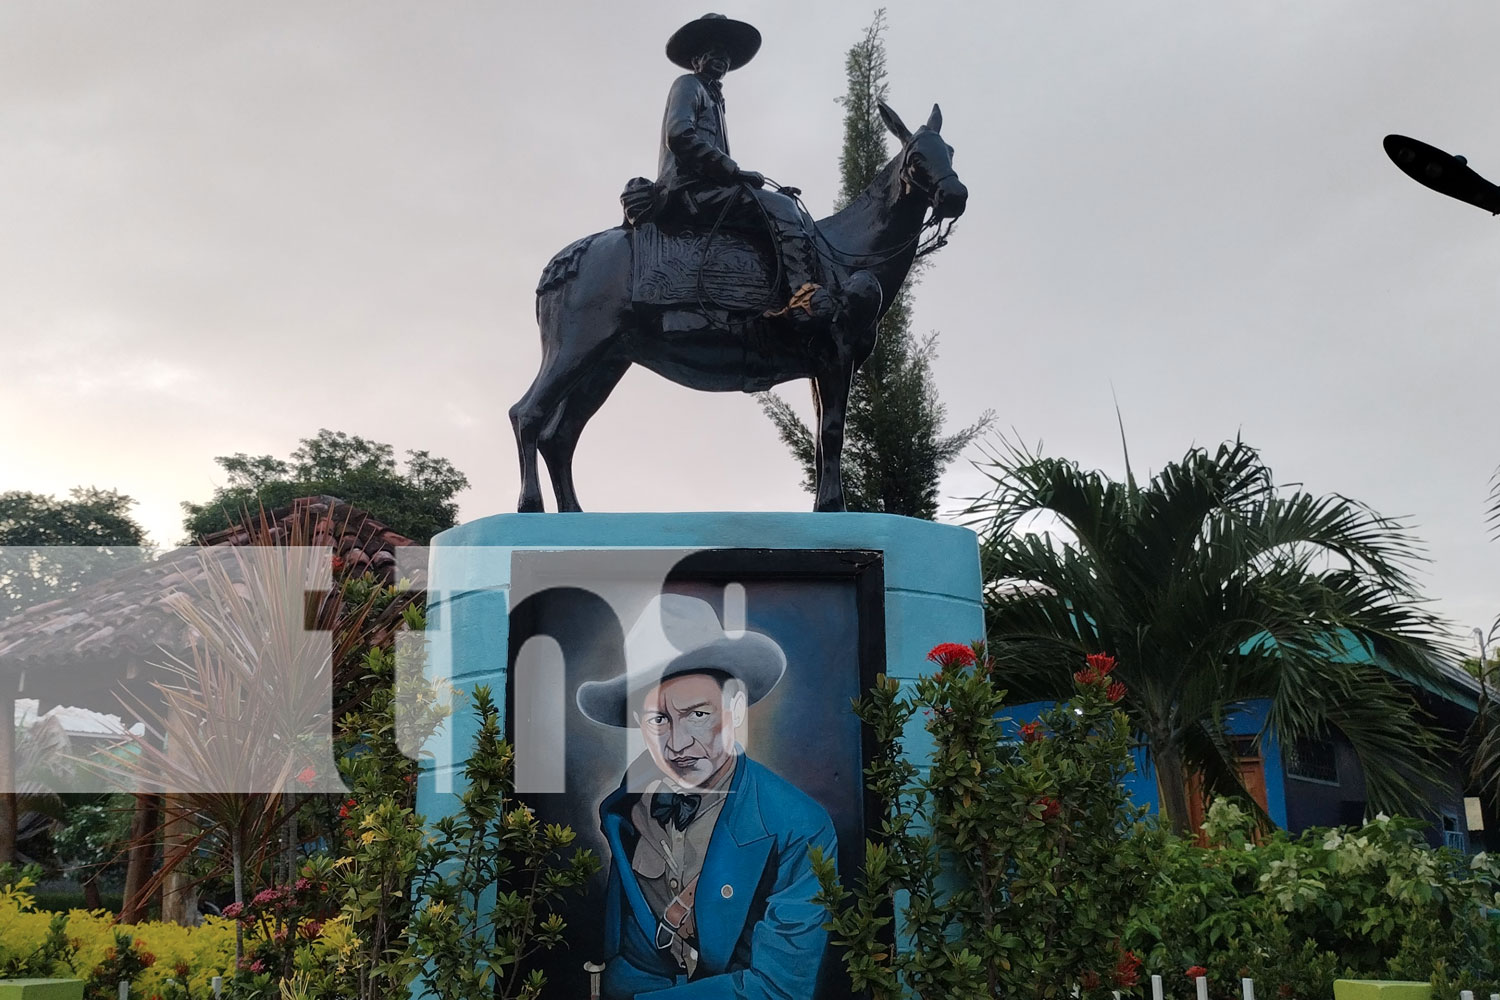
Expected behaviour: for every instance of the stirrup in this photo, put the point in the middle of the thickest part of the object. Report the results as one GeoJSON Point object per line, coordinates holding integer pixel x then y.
{"type": "Point", "coordinates": [801, 299]}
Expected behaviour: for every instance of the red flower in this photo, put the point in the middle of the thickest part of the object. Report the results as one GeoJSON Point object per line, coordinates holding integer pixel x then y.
{"type": "Point", "coordinates": [1090, 980]}
{"type": "Point", "coordinates": [307, 776]}
{"type": "Point", "coordinates": [312, 929]}
{"type": "Point", "coordinates": [952, 654]}
{"type": "Point", "coordinates": [1127, 970]}
{"type": "Point", "coordinates": [1196, 972]}
{"type": "Point", "coordinates": [1031, 732]}
{"type": "Point", "coordinates": [1101, 662]}
{"type": "Point", "coordinates": [1284, 990]}
{"type": "Point", "coordinates": [1116, 691]}
{"type": "Point", "coordinates": [1086, 677]}
{"type": "Point", "coordinates": [1050, 807]}
{"type": "Point", "coordinates": [338, 563]}
{"type": "Point", "coordinates": [148, 959]}
{"type": "Point", "coordinates": [181, 970]}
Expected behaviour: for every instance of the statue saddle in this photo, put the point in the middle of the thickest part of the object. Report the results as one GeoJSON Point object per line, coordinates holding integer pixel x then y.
{"type": "Point", "coordinates": [676, 267]}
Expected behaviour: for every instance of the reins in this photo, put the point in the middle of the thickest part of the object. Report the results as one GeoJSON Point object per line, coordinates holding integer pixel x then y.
{"type": "Point", "coordinates": [874, 258]}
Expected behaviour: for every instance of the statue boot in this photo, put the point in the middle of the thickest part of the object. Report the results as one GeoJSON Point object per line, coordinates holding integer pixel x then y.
{"type": "Point", "coordinates": [812, 304]}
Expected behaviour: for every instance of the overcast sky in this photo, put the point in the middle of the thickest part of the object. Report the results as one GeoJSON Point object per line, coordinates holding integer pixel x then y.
{"type": "Point", "coordinates": [227, 225]}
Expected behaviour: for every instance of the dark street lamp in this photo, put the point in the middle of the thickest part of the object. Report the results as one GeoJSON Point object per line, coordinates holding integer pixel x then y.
{"type": "Point", "coordinates": [1443, 172]}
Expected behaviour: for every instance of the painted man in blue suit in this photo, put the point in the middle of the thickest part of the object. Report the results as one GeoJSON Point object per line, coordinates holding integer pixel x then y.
{"type": "Point", "coordinates": [711, 888]}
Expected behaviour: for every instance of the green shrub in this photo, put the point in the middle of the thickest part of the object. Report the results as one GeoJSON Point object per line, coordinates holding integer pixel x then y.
{"type": "Point", "coordinates": [1295, 913]}
{"type": "Point", "coordinates": [89, 946]}
{"type": "Point", "coordinates": [1009, 867]}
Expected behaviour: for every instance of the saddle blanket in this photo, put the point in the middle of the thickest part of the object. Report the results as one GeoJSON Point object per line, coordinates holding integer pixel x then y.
{"type": "Point", "coordinates": [686, 268]}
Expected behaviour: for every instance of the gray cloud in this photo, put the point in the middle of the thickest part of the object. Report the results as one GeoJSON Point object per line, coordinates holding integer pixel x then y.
{"type": "Point", "coordinates": [228, 225]}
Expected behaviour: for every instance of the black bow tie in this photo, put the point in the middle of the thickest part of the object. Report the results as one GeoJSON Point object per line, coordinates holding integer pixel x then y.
{"type": "Point", "coordinates": [678, 807]}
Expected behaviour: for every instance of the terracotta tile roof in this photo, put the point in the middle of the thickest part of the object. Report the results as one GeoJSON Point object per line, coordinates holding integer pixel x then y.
{"type": "Point", "coordinates": [127, 615]}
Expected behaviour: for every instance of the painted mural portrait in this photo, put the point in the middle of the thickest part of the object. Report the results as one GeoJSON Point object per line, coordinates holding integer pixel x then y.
{"type": "Point", "coordinates": [689, 716]}
{"type": "Point", "coordinates": [710, 886]}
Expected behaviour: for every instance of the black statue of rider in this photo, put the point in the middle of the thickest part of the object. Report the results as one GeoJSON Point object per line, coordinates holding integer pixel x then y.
{"type": "Point", "coordinates": [701, 185]}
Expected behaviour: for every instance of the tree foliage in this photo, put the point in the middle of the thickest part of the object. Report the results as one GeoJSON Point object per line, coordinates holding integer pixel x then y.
{"type": "Point", "coordinates": [417, 502]}
{"type": "Point", "coordinates": [1483, 739]}
{"type": "Point", "coordinates": [895, 450]}
{"type": "Point", "coordinates": [1213, 587]}
{"type": "Point", "coordinates": [1294, 913]}
{"type": "Point", "coordinates": [1011, 864]}
{"type": "Point", "coordinates": [50, 547]}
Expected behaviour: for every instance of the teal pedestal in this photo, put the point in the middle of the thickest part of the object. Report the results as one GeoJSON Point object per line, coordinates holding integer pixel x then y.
{"type": "Point", "coordinates": [930, 589]}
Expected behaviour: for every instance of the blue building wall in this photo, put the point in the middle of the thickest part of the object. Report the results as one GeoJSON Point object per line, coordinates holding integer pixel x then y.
{"type": "Point", "coordinates": [1246, 719]}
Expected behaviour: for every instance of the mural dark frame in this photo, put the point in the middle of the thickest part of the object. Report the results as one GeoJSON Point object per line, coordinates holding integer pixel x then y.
{"type": "Point", "coordinates": [549, 579]}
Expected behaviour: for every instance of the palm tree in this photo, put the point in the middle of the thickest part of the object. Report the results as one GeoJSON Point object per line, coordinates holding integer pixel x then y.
{"type": "Point", "coordinates": [1211, 588]}
{"type": "Point", "coordinates": [1483, 739]}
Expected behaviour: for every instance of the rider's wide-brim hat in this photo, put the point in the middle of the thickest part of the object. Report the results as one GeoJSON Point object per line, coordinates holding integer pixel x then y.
{"type": "Point", "coordinates": [739, 40]}
{"type": "Point", "coordinates": [677, 635]}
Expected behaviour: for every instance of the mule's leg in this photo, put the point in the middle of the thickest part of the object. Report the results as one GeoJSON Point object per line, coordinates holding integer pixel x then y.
{"type": "Point", "coordinates": [580, 323]}
{"type": "Point", "coordinates": [817, 437]}
{"type": "Point", "coordinates": [525, 417]}
{"type": "Point", "coordinates": [562, 371]}
{"type": "Point", "coordinates": [833, 406]}
{"type": "Point", "coordinates": [559, 438]}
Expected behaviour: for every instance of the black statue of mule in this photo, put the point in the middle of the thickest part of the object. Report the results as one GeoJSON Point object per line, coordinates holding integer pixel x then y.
{"type": "Point", "coordinates": [596, 321]}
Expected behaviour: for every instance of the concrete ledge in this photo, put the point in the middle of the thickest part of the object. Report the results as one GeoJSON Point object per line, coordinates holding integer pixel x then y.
{"type": "Point", "coordinates": [1380, 989]}
{"type": "Point", "coordinates": [41, 989]}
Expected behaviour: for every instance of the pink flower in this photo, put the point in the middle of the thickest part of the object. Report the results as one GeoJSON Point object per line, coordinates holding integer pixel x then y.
{"type": "Point", "coordinates": [952, 654]}
{"type": "Point", "coordinates": [233, 910]}
{"type": "Point", "coordinates": [307, 776]}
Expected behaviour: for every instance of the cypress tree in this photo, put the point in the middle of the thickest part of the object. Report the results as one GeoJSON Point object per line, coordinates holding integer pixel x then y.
{"type": "Point", "coordinates": [894, 448]}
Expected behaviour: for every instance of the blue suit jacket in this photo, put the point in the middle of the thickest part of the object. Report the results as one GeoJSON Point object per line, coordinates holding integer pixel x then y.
{"type": "Point", "coordinates": [759, 933]}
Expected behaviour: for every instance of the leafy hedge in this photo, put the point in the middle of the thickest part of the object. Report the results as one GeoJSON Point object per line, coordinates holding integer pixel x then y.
{"type": "Point", "coordinates": [1295, 913]}
{"type": "Point", "coordinates": [161, 960]}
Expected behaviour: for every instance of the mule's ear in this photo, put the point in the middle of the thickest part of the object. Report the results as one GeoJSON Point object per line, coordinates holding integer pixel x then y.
{"type": "Point", "coordinates": [935, 120]}
{"type": "Point", "coordinates": [894, 123]}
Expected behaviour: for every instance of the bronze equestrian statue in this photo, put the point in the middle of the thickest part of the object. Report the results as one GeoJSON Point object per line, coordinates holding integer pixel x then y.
{"type": "Point", "coordinates": [719, 283]}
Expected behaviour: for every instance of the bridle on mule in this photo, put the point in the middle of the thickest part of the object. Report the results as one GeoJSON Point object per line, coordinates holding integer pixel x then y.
{"type": "Point", "coordinates": [875, 258]}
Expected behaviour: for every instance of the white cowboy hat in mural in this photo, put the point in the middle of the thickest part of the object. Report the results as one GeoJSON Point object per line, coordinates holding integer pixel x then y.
{"type": "Point", "coordinates": [677, 635]}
